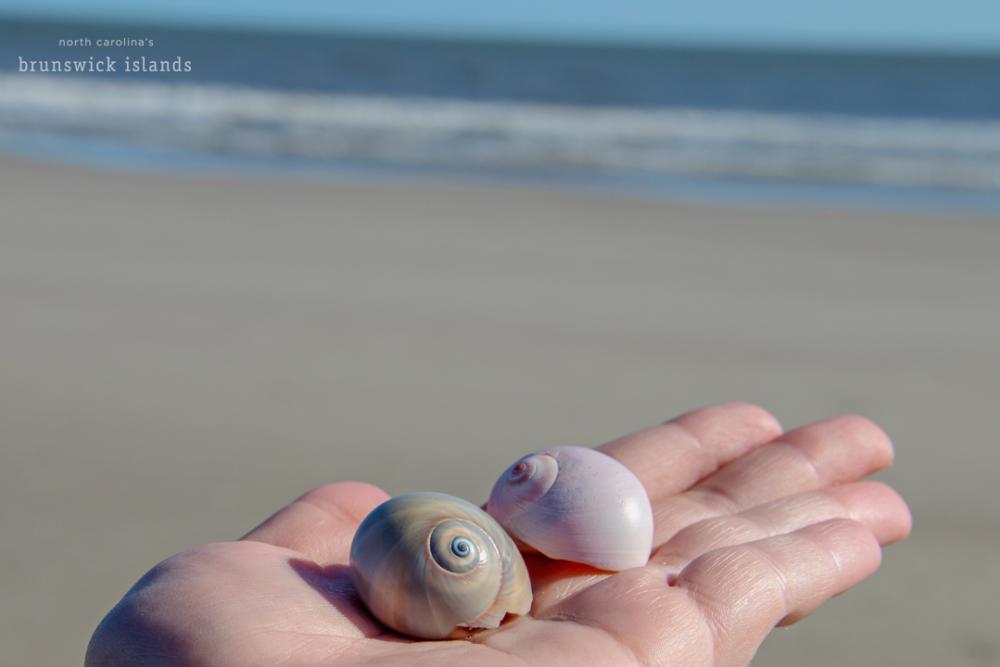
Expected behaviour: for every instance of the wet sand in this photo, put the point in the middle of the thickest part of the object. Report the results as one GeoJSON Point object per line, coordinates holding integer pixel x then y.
{"type": "Point", "coordinates": [179, 357]}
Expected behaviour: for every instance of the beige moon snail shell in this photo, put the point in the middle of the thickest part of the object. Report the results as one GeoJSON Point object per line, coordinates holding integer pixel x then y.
{"type": "Point", "coordinates": [426, 564]}
{"type": "Point", "coordinates": [576, 504]}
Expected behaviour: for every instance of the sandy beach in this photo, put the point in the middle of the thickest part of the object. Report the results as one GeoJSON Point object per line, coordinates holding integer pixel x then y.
{"type": "Point", "coordinates": [180, 356]}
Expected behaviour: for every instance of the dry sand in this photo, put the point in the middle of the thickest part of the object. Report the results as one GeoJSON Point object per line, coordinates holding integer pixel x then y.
{"type": "Point", "coordinates": [178, 357]}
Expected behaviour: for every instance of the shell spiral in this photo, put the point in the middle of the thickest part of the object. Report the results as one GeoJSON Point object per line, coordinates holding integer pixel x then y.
{"type": "Point", "coordinates": [577, 504]}
{"type": "Point", "coordinates": [427, 563]}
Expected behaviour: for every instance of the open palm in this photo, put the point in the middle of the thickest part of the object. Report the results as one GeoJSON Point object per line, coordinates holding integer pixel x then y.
{"type": "Point", "coordinates": [754, 528]}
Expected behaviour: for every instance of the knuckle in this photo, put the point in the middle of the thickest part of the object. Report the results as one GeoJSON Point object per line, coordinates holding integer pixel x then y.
{"type": "Point", "coordinates": [733, 578]}
{"type": "Point", "coordinates": [719, 531]}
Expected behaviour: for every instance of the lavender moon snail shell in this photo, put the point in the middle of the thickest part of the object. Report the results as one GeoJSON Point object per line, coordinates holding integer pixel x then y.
{"type": "Point", "coordinates": [427, 564]}
{"type": "Point", "coordinates": [576, 504]}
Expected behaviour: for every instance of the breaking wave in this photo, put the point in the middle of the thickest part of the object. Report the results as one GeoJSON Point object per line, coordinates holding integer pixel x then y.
{"type": "Point", "coordinates": [451, 133]}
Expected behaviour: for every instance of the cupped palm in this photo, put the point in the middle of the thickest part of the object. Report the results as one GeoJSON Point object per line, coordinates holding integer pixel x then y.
{"type": "Point", "coordinates": [754, 528]}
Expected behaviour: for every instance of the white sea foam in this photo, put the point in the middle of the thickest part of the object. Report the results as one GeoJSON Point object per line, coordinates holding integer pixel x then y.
{"type": "Point", "coordinates": [508, 135]}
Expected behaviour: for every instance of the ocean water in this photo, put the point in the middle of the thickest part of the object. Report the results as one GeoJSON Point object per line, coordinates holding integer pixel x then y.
{"type": "Point", "coordinates": [903, 130]}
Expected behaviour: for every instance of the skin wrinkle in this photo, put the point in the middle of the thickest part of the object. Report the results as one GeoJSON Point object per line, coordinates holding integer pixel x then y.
{"type": "Point", "coordinates": [771, 516]}
{"type": "Point", "coordinates": [777, 575]}
{"type": "Point", "coordinates": [712, 628]}
{"type": "Point", "coordinates": [337, 504]}
{"type": "Point", "coordinates": [328, 517]}
{"type": "Point", "coordinates": [474, 639]}
{"type": "Point", "coordinates": [328, 512]}
{"type": "Point", "coordinates": [313, 635]}
{"type": "Point", "coordinates": [719, 526]}
{"type": "Point", "coordinates": [722, 500]}
{"type": "Point", "coordinates": [710, 461]}
{"type": "Point", "coordinates": [695, 440]}
{"type": "Point", "coordinates": [564, 590]}
{"type": "Point", "coordinates": [706, 509]}
{"type": "Point", "coordinates": [333, 510]}
{"type": "Point", "coordinates": [714, 498]}
{"type": "Point", "coordinates": [744, 428]}
{"type": "Point", "coordinates": [762, 421]}
{"type": "Point", "coordinates": [841, 508]}
{"type": "Point", "coordinates": [534, 625]}
{"type": "Point", "coordinates": [663, 515]}
{"type": "Point", "coordinates": [250, 632]}
{"type": "Point", "coordinates": [732, 573]}
{"type": "Point", "coordinates": [829, 588]}
{"type": "Point", "coordinates": [655, 583]}
{"type": "Point", "coordinates": [730, 503]}
{"type": "Point", "coordinates": [309, 639]}
{"type": "Point", "coordinates": [813, 465]}
{"type": "Point", "coordinates": [764, 521]}
{"type": "Point", "coordinates": [716, 461]}
{"type": "Point", "coordinates": [652, 586]}
{"type": "Point", "coordinates": [707, 462]}
{"type": "Point", "coordinates": [838, 564]}
{"type": "Point", "coordinates": [565, 616]}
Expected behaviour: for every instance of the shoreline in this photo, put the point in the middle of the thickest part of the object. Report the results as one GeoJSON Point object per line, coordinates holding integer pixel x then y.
{"type": "Point", "coordinates": [720, 197]}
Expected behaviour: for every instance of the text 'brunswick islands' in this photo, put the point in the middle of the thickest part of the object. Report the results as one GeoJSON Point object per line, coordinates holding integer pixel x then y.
{"type": "Point", "coordinates": [105, 64]}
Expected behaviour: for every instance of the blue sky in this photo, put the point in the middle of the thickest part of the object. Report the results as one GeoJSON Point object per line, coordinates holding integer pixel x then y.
{"type": "Point", "coordinates": [912, 24]}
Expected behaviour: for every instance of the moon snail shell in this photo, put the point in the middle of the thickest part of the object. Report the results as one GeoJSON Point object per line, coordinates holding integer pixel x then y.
{"type": "Point", "coordinates": [426, 564]}
{"type": "Point", "coordinates": [576, 504]}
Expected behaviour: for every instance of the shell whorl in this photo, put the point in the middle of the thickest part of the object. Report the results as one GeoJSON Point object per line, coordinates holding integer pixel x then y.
{"type": "Point", "coordinates": [529, 479]}
{"type": "Point", "coordinates": [577, 504]}
{"type": "Point", "coordinates": [427, 563]}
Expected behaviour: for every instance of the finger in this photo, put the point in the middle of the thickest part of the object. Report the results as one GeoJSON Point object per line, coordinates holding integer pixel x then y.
{"type": "Point", "coordinates": [321, 523]}
{"type": "Point", "coordinates": [835, 451]}
{"type": "Point", "coordinates": [722, 605]}
{"type": "Point", "coordinates": [873, 504]}
{"type": "Point", "coordinates": [744, 591]}
{"type": "Point", "coordinates": [670, 457]}
{"type": "Point", "coordinates": [667, 458]}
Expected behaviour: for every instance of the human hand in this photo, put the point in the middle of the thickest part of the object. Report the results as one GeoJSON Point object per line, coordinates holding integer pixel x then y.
{"type": "Point", "coordinates": [754, 528]}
